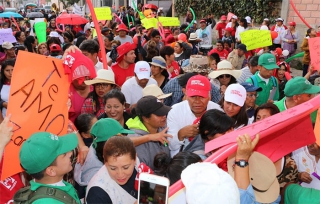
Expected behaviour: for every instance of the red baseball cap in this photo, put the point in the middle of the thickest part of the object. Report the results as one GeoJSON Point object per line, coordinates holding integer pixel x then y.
{"type": "Point", "coordinates": [78, 66]}
{"type": "Point", "coordinates": [223, 18]}
{"type": "Point", "coordinates": [198, 85]}
{"type": "Point", "coordinates": [203, 21]}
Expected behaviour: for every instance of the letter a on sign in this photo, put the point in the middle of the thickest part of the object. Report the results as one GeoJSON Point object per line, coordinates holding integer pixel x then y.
{"type": "Point", "coordinates": [37, 102]}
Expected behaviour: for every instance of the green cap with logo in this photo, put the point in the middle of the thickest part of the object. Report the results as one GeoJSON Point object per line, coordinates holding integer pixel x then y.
{"type": "Point", "coordinates": [42, 148]}
{"type": "Point", "coordinates": [105, 128]}
{"type": "Point", "coordinates": [268, 61]}
{"type": "Point", "coordinates": [300, 85]}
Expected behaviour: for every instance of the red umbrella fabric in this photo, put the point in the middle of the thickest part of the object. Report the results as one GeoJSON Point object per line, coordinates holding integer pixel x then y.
{"type": "Point", "coordinates": [71, 19]}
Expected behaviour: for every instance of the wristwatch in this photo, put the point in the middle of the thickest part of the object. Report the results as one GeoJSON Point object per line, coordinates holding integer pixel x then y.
{"type": "Point", "coordinates": [241, 163]}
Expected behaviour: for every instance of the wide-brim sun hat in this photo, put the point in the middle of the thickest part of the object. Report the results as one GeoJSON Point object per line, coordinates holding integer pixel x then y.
{"type": "Point", "coordinates": [103, 76]}
{"type": "Point", "coordinates": [225, 67]}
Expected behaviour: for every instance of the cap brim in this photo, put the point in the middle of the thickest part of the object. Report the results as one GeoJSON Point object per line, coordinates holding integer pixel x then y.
{"type": "Point", "coordinates": [125, 131]}
{"type": "Point", "coordinates": [313, 90]}
{"type": "Point", "coordinates": [235, 73]}
{"type": "Point", "coordinates": [143, 76]}
{"type": "Point", "coordinates": [67, 142]}
{"type": "Point", "coordinates": [194, 92]}
{"type": "Point", "coordinates": [96, 81]}
{"type": "Point", "coordinates": [163, 96]}
{"type": "Point", "coordinates": [270, 66]}
{"type": "Point", "coordinates": [254, 89]}
{"type": "Point", "coordinates": [164, 110]}
{"type": "Point", "coordinates": [158, 65]}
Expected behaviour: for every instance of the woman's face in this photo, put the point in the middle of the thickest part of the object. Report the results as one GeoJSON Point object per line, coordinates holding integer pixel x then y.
{"type": "Point", "coordinates": [8, 72]}
{"type": "Point", "coordinates": [262, 114]}
{"type": "Point", "coordinates": [66, 40]}
{"type": "Point", "coordinates": [114, 109]}
{"type": "Point", "coordinates": [87, 134]}
{"type": "Point", "coordinates": [281, 72]}
{"type": "Point", "coordinates": [231, 109]}
{"type": "Point", "coordinates": [102, 88]}
{"type": "Point", "coordinates": [226, 46]}
{"type": "Point", "coordinates": [53, 23]}
{"type": "Point", "coordinates": [176, 32]}
{"type": "Point", "coordinates": [42, 49]}
{"type": "Point", "coordinates": [22, 37]}
{"type": "Point", "coordinates": [120, 168]}
{"type": "Point", "coordinates": [213, 64]}
{"type": "Point", "coordinates": [155, 70]}
{"type": "Point", "coordinates": [225, 79]}
{"type": "Point", "coordinates": [178, 49]}
{"type": "Point", "coordinates": [156, 121]}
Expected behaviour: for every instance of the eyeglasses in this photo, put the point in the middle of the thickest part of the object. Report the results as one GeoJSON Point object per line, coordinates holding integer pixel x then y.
{"type": "Point", "coordinates": [252, 95]}
{"type": "Point", "coordinates": [103, 85]}
{"type": "Point", "coordinates": [224, 75]}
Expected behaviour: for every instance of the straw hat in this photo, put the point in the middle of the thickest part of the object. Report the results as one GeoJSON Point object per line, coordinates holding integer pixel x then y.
{"type": "Point", "coordinates": [263, 177]}
{"type": "Point", "coordinates": [194, 37]}
{"type": "Point", "coordinates": [159, 62]}
{"type": "Point", "coordinates": [103, 76]}
{"type": "Point", "coordinates": [198, 63]}
{"type": "Point", "coordinates": [225, 67]}
{"type": "Point", "coordinates": [154, 90]}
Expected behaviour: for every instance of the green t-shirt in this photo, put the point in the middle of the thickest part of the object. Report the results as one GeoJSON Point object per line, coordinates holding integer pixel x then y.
{"type": "Point", "coordinates": [300, 195]}
{"type": "Point", "coordinates": [263, 95]}
{"type": "Point", "coordinates": [68, 188]}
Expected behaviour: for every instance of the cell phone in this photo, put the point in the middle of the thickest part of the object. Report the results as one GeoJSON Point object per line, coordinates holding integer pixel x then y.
{"type": "Point", "coordinates": [153, 189]}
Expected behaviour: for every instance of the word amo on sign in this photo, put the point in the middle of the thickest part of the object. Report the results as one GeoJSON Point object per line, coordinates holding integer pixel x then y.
{"type": "Point", "coordinates": [28, 103]}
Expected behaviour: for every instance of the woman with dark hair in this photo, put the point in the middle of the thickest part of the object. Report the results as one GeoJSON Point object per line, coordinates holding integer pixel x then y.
{"type": "Point", "coordinates": [115, 181]}
{"type": "Point", "coordinates": [101, 132]}
{"type": "Point", "coordinates": [114, 107]}
{"type": "Point", "coordinates": [5, 82]}
{"type": "Point", "coordinates": [83, 123]}
{"type": "Point", "coordinates": [283, 76]}
{"type": "Point", "coordinates": [172, 168]}
{"type": "Point", "coordinates": [53, 40]}
{"type": "Point", "coordinates": [182, 51]}
{"type": "Point", "coordinates": [31, 44]}
{"type": "Point", "coordinates": [151, 51]}
{"type": "Point", "coordinates": [214, 59]}
{"type": "Point", "coordinates": [233, 24]}
{"type": "Point", "coordinates": [68, 37]}
{"type": "Point", "coordinates": [107, 42]}
{"type": "Point", "coordinates": [265, 110]}
{"type": "Point", "coordinates": [20, 37]}
{"type": "Point", "coordinates": [233, 105]}
{"type": "Point", "coordinates": [149, 119]}
{"type": "Point", "coordinates": [173, 68]}
{"type": "Point", "coordinates": [103, 83]}
{"type": "Point", "coordinates": [241, 28]}
{"type": "Point", "coordinates": [159, 72]}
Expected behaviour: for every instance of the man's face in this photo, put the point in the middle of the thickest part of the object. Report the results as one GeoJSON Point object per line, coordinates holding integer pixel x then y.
{"type": "Point", "coordinates": [122, 33]}
{"type": "Point", "coordinates": [156, 38]}
{"type": "Point", "coordinates": [314, 149]}
{"type": "Point", "coordinates": [203, 25]}
{"type": "Point", "coordinates": [279, 23]}
{"type": "Point", "coordinates": [130, 57]}
{"type": "Point", "coordinates": [301, 98]}
{"type": "Point", "coordinates": [142, 82]}
{"type": "Point", "coordinates": [93, 56]}
{"type": "Point", "coordinates": [265, 73]}
{"type": "Point", "coordinates": [240, 52]}
{"type": "Point", "coordinates": [198, 104]}
{"type": "Point", "coordinates": [10, 52]}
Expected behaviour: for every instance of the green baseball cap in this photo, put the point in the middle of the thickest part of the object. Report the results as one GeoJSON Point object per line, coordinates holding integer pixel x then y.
{"type": "Point", "coordinates": [42, 148]}
{"type": "Point", "coordinates": [105, 128]}
{"type": "Point", "coordinates": [268, 61]}
{"type": "Point", "coordinates": [300, 85]}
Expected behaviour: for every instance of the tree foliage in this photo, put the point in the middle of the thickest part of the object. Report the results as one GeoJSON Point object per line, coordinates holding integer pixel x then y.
{"type": "Point", "coordinates": [256, 9]}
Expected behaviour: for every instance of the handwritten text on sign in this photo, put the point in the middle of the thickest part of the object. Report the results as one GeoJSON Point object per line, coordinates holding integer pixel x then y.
{"type": "Point", "coordinates": [314, 47]}
{"type": "Point", "coordinates": [256, 38]}
{"type": "Point", "coordinates": [103, 13]}
{"type": "Point", "coordinates": [169, 21]}
{"type": "Point", "coordinates": [37, 102]}
{"type": "Point", "coordinates": [149, 23]}
{"type": "Point", "coordinates": [7, 36]}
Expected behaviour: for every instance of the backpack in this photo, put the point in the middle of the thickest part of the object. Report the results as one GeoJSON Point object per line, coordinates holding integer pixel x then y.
{"type": "Point", "coordinates": [255, 81]}
{"type": "Point", "coordinates": [26, 195]}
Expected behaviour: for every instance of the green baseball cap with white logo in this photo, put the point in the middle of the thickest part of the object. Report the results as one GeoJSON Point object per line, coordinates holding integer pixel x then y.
{"type": "Point", "coordinates": [42, 148]}
{"type": "Point", "coordinates": [268, 61]}
{"type": "Point", "coordinates": [300, 85]}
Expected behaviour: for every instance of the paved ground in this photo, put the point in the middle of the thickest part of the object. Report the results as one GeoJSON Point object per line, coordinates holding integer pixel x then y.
{"type": "Point", "coordinates": [296, 72]}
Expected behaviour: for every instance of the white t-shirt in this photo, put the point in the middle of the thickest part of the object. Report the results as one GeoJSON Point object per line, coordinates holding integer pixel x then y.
{"type": "Point", "coordinates": [133, 91]}
{"type": "Point", "coordinates": [205, 35]}
{"type": "Point", "coordinates": [180, 116]}
{"type": "Point", "coordinates": [124, 40]}
{"type": "Point", "coordinates": [307, 163]}
{"type": "Point", "coordinates": [99, 66]}
{"type": "Point", "coordinates": [239, 30]}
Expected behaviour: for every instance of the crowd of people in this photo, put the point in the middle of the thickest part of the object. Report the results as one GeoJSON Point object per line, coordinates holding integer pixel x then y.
{"type": "Point", "coordinates": [153, 107]}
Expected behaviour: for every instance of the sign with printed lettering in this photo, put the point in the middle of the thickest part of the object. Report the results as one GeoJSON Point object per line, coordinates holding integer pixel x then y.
{"type": "Point", "coordinates": [256, 38]}
{"type": "Point", "coordinates": [169, 21]}
{"type": "Point", "coordinates": [314, 47]}
{"type": "Point", "coordinates": [7, 36]}
{"type": "Point", "coordinates": [37, 102]}
{"type": "Point", "coordinates": [103, 13]}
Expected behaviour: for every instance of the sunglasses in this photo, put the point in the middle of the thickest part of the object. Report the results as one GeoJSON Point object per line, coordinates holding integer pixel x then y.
{"type": "Point", "coordinates": [103, 85]}
{"type": "Point", "coordinates": [224, 75]}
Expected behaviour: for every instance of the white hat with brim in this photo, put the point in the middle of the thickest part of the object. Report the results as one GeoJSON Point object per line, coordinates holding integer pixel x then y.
{"type": "Point", "coordinates": [159, 62]}
{"type": "Point", "coordinates": [103, 76]}
{"type": "Point", "coordinates": [225, 67]}
{"type": "Point", "coordinates": [154, 90]}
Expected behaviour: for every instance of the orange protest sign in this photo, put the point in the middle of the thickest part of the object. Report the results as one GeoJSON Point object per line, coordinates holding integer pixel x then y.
{"type": "Point", "coordinates": [314, 47]}
{"type": "Point", "coordinates": [317, 128]}
{"type": "Point", "coordinates": [37, 102]}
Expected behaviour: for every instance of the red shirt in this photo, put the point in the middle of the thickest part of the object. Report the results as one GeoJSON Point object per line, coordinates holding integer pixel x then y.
{"type": "Point", "coordinates": [176, 69]}
{"type": "Point", "coordinates": [121, 75]}
{"type": "Point", "coordinates": [222, 54]}
{"type": "Point", "coordinates": [220, 28]}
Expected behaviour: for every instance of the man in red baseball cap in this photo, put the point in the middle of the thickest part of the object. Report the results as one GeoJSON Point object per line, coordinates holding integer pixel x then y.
{"type": "Point", "coordinates": [124, 68]}
{"type": "Point", "coordinates": [198, 102]}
